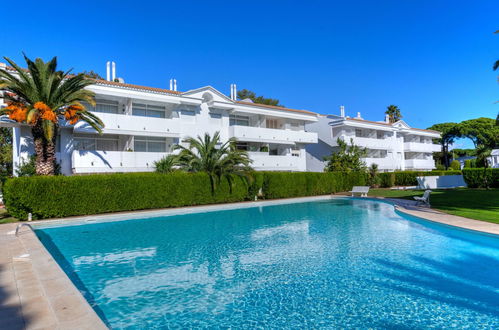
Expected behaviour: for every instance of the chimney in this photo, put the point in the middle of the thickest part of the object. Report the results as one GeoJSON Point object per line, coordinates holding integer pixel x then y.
{"type": "Point", "coordinates": [108, 71]}
{"type": "Point", "coordinates": [171, 84]}
{"type": "Point", "coordinates": [113, 75]}
{"type": "Point", "coordinates": [358, 115]}
{"type": "Point", "coordinates": [175, 85]}
{"type": "Point", "coordinates": [233, 92]}
{"type": "Point", "coordinates": [387, 118]}
{"type": "Point", "coordinates": [342, 111]}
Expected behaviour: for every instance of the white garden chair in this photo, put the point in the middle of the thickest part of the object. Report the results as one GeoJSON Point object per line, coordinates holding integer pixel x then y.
{"type": "Point", "coordinates": [425, 199]}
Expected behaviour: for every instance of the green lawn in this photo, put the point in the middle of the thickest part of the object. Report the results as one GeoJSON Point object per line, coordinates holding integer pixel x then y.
{"type": "Point", "coordinates": [479, 204]}
{"type": "Point", "coordinates": [5, 217]}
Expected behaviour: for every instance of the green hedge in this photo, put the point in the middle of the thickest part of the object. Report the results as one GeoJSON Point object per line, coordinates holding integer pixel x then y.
{"type": "Point", "coordinates": [62, 196]}
{"type": "Point", "coordinates": [480, 177]}
{"type": "Point", "coordinates": [409, 178]}
{"type": "Point", "coordinates": [287, 184]}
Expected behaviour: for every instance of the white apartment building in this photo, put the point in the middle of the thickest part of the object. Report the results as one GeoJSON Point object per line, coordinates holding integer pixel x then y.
{"type": "Point", "coordinates": [393, 147]}
{"type": "Point", "coordinates": [142, 124]}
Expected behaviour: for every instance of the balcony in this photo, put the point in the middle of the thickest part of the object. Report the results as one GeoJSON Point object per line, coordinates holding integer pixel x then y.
{"type": "Point", "coordinates": [383, 163]}
{"type": "Point", "coordinates": [420, 164]}
{"type": "Point", "coordinates": [421, 147]}
{"type": "Point", "coordinates": [262, 161]}
{"type": "Point", "coordinates": [370, 143]}
{"type": "Point", "coordinates": [133, 125]}
{"type": "Point", "coordinates": [269, 135]}
{"type": "Point", "coordinates": [85, 161]}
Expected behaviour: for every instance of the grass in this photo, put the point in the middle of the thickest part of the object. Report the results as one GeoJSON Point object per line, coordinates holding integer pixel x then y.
{"type": "Point", "coordinates": [6, 218]}
{"type": "Point", "coordinates": [478, 204]}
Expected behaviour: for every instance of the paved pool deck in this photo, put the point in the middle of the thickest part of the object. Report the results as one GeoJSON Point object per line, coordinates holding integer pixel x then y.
{"type": "Point", "coordinates": [35, 293]}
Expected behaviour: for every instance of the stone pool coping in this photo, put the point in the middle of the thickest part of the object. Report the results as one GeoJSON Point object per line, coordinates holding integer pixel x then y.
{"type": "Point", "coordinates": [35, 293]}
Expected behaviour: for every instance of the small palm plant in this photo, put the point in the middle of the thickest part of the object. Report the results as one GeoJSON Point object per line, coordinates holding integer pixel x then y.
{"type": "Point", "coordinates": [41, 97]}
{"type": "Point", "coordinates": [218, 160]}
{"type": "Point", "coordinates": [166, 164]}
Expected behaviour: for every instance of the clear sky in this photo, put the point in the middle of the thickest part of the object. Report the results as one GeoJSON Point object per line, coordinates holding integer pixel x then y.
{"type": "Point", "coordinates": [432, 58]}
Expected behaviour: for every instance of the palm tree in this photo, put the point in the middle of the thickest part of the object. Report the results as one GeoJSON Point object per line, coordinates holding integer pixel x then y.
{"type": "Point", "coordinates": [217, 160]}
{"type": "Point", "coordinates": [393, 113]}
{"type": "Point", "coordinates": [42, 97]}
{"type": "Point", "coordinates": [166, 164]}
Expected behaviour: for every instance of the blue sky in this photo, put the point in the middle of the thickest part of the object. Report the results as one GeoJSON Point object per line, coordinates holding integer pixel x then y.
{"type": "Point", "coordinates": [431, 58]}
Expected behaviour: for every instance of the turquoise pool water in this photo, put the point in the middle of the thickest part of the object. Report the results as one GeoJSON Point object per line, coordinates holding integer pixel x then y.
{"type": "Point", "coordinates": [324, 264]}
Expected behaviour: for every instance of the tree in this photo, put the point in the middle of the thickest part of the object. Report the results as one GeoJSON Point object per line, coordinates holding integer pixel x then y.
{"type": "Point", "coordinates": [348, 158]}
{"type": "Point", "coordinates": [393, 113]}
{"type": "Point", "coordinates": [218, 160]}
{"type": "Point", "coordinates": [449, 132]}
{"type": "Point", "coordinates": [5, 152]}
{"type": "Point", "coordinates": [247, 94]}
{"type": "Point", "coordinates": [92, 75]}
{"type": "Point", "coordinates": [42, 97]}
{"type": "Point", "coordinates": [482, 131]}
{"type": "Point", "coordinates": [166, 164]}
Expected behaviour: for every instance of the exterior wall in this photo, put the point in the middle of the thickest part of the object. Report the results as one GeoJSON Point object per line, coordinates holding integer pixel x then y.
{"type": "Point", "coordinates": [390, 147]}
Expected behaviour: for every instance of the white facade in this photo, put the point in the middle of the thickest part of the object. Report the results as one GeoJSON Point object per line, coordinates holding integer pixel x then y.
{"type": "Point", "coordinates": [143, 124]}
{"type": "Point", "coordinates": [391, 146]}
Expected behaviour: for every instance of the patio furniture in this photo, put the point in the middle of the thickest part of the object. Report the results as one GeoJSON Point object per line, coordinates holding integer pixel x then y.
{"type": "Point", "coordinates": [425, 199]}
{"type": "Point", "coordinates": [362, 190]}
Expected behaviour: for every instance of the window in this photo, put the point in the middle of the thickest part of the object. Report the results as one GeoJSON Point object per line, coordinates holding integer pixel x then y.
{"type": "Point", "coordinates": [148, 110]}
{"type": "Point", "coordinates": [358, 132]}
{"type": "Point", "coordinates": [238, 120]}
{"type": "Point", "coordinates": [103, 106]}
{"type": "Point", "coordinates": [105, 143]}
{"type": "Point", "coordinates": [215, 115]}
{"type": "Point", "coordinates": [149, 144]}
{"type": "Point", "coordinates": [380, 135]}
{"type": "Point", "coordinates": [241, 146]}
{"type": "Point", "coordinates": [271, 123]}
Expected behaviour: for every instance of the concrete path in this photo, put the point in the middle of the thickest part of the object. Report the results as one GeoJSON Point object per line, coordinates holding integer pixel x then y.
{"type": "Point", "coordinates": [35, 293]}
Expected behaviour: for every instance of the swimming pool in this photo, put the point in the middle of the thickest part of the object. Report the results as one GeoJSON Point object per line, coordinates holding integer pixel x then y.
{"type": "Point", "coordinates": [331, 263]}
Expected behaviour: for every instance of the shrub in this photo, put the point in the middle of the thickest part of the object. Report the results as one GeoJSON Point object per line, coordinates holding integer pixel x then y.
{"type": "Point", "coordinates": [481, 177]}
{"type": "Point", "coordinates": [440, 167]}
{"type": "Point", "coordinates": [61, 196]}
{"type": "Point", "coordinates": [387, 179]}
{"type": "Point", "coordinates": [470, 163]}
{"type": "Point", "coordinates": [455, 165]}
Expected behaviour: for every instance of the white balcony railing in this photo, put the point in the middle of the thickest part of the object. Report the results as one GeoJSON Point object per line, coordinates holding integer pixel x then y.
{"type": "Point", "coordinates": [133, 125]}
{"type": "Point", "coordinates": [421, 147]}
{"type": "Point", "coordinates": [383, 163]}
{"type": "Point", "coordinates": [264, 161]}
{"type": "Point", "coordinates": [86, 161]}
{"type": "Point", "coordinates": [269, 135]}
{"type": "Point", "coordinates": [370, 143]}
{"type": "Point", "coordinates": [421, 164]}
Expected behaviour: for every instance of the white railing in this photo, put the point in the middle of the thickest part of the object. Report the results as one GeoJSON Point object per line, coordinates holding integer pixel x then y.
{"type": "Point", "coordinates": [383, 163]}
{"type": "Point", "coordinates": [421, 147]}
{"type": "Point", "coordinates": [423, 164]}
{"type": "Point", "coordinates": [270, 135]}
{"type": "Point", "coordinates": [134, 125]}
{"type": "Point", "coordinates": [264, 161]}
{"type": "Point", "coordinates": [370, 143]}
{"type": "Point", "coordinates": [86, 161]}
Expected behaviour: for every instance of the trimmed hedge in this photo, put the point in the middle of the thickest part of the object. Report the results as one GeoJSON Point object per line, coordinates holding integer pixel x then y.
{"type": "Point", "coordinates": [409, 178]}
{"type": "Point", "coordinates": [287, 184]}
{"type": "Point", "coordinates": [478, 177]}
{"type": "Point", "coordinates": [62, 196]}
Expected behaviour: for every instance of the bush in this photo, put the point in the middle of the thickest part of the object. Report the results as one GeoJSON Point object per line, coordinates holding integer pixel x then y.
{"type": "Point", "coordinates": [409, 178]}
{"type": "Point", "coordinates": [387, 179]}
{"type": "Point", "coordinates": [440, 167]}
{"type": "Point", "coordinates": [470, 163]}
{"type": "Point", "coordinates": [481, 177]}
{"type": "Point", "coordinates": [455, 165]}
{"type": "Point", "coordinates": [60, 196]}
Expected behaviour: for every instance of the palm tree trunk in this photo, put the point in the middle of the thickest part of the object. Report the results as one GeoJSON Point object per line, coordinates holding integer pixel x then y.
{"type": "Point", "coordinates": [45, 152]}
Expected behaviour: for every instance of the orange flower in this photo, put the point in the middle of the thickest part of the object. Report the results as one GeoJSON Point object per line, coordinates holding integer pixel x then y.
{"type": "Point", "coordinates": [42, 107]}
{"type": "Point", "coordinates": [71, 113]}
{"type": "Point", "coordinates": [17, 112]}
{"type": "Point", "coordinates": [49, 115]}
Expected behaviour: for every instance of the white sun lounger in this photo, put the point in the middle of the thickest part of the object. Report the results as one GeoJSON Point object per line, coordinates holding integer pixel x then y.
{"type": "Point", "coordinates": [362, 190]}
{"type": "Point", "coordinates": [425, 199]}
